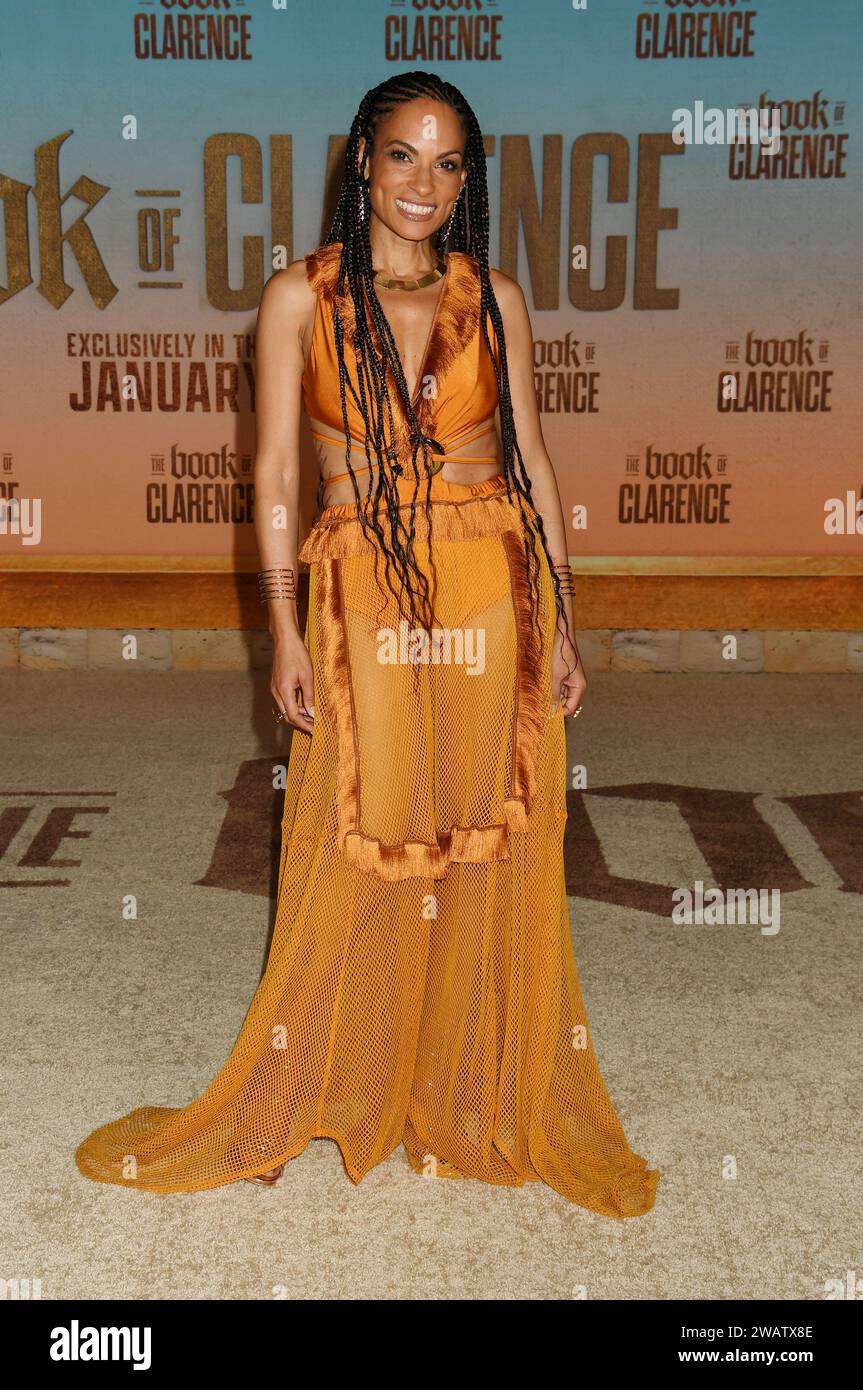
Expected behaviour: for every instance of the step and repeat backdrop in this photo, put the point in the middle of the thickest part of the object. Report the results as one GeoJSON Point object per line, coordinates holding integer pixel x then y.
{"type": "Point", "coordinates": [674, 183]}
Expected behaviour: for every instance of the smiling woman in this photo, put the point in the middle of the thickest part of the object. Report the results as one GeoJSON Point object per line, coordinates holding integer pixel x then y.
{"type": "Point", "coordinates": [421, 987]}
{"type": "Point", "coordinates": [404, 153]}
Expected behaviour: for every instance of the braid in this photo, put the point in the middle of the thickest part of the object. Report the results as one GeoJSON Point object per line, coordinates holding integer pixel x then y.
{"type": "Point", "coordinates": [378, 511]}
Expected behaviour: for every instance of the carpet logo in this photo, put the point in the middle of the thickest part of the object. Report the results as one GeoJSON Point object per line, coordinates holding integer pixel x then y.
{"type": "Point", "coordinates": [737, 843]}
{"type": "Point", "coordinates": [34, 826]}
{"type": "Point", "coordinates": [739, 846]}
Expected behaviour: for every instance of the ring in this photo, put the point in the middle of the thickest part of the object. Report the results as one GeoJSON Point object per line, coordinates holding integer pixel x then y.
{"type": "Point", "coordinates": [279, 714]}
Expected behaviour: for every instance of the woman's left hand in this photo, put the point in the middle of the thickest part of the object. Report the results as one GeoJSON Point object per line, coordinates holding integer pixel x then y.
{"type": "Point", "coordinates": [568, 683]}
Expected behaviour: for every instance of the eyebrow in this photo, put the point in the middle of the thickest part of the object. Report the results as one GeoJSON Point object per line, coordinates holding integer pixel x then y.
{"type": "Point", "coordinates": [413, 151]}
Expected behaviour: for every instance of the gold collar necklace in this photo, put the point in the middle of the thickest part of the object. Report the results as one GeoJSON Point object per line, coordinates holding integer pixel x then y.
{"type": "Point", "coordinates": [386, 283]}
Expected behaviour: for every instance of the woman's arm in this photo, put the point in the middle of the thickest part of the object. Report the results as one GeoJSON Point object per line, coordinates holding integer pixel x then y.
{"type": "Point", "coordinates": [568, 679]}
{"type": "Point", "coordinates": [286, 305]}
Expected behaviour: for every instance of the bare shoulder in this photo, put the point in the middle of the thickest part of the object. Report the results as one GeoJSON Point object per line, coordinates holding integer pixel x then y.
{"type": "Point", "coordinates": [287, 310]}
{"type": "Point", "coordinates": [513, 308]}
{"type": "Point", "coordinates": [508, 293]}
{"type": "Point", "coordinates": [288, 293]}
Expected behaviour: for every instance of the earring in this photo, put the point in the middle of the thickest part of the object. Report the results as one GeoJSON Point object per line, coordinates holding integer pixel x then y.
{"type": "Point", "coordinates": [447, 231]}
{"type": "Point", "coordinates": [364, 193]}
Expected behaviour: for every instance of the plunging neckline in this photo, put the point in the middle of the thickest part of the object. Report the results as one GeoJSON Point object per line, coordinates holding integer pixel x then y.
{"type": "Point", "coordinates": [426, 353]}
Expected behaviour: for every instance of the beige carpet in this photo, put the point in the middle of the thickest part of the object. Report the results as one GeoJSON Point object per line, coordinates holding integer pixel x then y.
{"type": "Point", "coordinates": [730, 1053]}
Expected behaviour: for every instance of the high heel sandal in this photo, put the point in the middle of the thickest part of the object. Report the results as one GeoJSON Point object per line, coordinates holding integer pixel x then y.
{"type": "Point", "coordinates": [267, 1179]}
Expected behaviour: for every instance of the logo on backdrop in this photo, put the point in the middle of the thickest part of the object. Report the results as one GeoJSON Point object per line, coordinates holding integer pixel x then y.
{"type": "Point", "coordinates": [680, 488]}
{"type": "Point", "coordinates": [60, 237]}
{"type": "Point", "coordinates": [168, 250]}
{"type": "Point", "coordinates": [177, 373]}
{"type": "Point", "coordinates": [696, 29]}
{"type": "Point", "coordinates": [811, 146]}
{"type": "Point", "coordinates": [564, 377]}
{"type": "Point", "coordinates": [778, 375]}
{"type": "Point", "coordinates": [193, 31]}
{"type": "Point", "coordinates": [427, 32]}
{"type": "Point", "coordinates": [195, 488]}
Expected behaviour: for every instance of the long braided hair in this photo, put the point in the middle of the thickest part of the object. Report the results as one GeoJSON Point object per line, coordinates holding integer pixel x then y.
{"type": "Point", "coordinates": [467, 230]}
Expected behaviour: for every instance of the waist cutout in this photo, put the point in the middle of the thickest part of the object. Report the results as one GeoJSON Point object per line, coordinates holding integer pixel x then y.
{"type": "Point", "coordinates": [442, 453]}
{"type": "Point", "coordinates": [442, 490]}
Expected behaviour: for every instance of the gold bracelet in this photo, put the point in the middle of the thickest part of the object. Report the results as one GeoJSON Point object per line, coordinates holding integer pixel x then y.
{"type": "Point", "coordinates": [276, 582]}
{"type": "Point", "coordinates": [566, 579]}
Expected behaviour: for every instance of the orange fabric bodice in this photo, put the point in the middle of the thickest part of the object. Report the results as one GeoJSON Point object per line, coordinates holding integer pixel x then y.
{"type": "Point", "coordinates": [465, 386]}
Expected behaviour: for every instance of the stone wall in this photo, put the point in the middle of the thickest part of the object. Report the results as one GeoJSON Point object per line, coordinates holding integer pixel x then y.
{"type": "Point", "coordinates": [233, 649]}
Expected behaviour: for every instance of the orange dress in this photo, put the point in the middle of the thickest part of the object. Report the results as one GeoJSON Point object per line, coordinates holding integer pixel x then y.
{"type": "Point", "coordinates": [421, 987]}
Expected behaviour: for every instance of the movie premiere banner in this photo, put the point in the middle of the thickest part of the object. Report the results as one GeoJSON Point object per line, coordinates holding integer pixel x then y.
{"type": "Point", "coordinates": [674, 183]}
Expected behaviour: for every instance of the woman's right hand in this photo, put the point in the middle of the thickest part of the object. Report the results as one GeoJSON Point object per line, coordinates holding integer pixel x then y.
{"type": "Point", "coordinates": [291, 684]}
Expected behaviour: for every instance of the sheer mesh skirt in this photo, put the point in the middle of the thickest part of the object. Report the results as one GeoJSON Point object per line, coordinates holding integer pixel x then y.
{"type": "Point", "coordinates": [421, 987]}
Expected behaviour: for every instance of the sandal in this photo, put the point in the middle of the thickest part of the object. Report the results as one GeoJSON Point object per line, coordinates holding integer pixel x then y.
{"type": "Point", "coordinates": [267, 1179]}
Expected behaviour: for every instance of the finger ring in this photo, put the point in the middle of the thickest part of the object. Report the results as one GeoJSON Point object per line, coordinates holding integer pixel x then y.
{"type": "Point", "coordinates": [279, 714]}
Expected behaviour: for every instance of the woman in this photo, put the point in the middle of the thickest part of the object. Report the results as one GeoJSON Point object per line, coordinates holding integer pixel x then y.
{"type": "Point", "coordinates": [421, 986]}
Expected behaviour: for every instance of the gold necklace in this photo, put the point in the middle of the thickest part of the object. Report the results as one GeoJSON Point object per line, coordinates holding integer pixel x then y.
{"type": "Point", "coordinates": [387, 283]}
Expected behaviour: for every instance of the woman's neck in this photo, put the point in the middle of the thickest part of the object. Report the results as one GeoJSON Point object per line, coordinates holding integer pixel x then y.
{"type": "Point", "coordinates": [398, 258]}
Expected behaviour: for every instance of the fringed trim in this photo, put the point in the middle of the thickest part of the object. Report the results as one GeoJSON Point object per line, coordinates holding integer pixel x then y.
{"type": "Point", "coordinates": [462, 844]}
{"type": "Point", "coordinates": [339, 537]}
{"type": "Point", "coordinates": [416, 859]}
{"type": "Point", "coordinates": [529, 714]}
{"type": "Point", "coordinates": [322, 272]}
{"type": "Point", "coordinates": [337, 691]}
{"type": "Point", "coordinates": [456, 323]}
{"type": "Point", "coordinates": [322, 268]}
{"type": "Point", "coordinates": [413, 858]}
